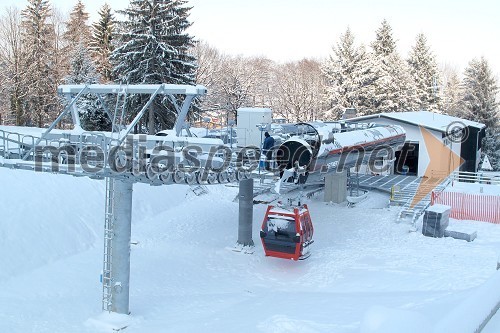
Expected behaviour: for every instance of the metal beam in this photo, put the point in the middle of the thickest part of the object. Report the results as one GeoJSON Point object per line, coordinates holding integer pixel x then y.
{"type": "Point", "coordinates": [181, 117]}
{"type": "Point", "coordinates": [138, 117]}
{"type": "Point", "coordinates": [75, 116]}
{"type": "Point", "coordinates": [105, 108]}
{"type": "Point", "coordinates": [83, 90]}
{"type": "Point", "coordinates": [165, 89]}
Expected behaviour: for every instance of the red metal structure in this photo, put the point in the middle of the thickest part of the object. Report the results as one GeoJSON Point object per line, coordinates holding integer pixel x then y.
{"type": "Point", "coordinates": [287, 232]}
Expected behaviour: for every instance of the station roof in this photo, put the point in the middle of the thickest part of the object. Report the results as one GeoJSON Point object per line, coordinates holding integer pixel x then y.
{"type": "Point", "coordinates": [431, 120]}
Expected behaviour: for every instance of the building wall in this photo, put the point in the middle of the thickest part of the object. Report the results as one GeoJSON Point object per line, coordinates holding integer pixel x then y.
{"type": "Point", "coordinates": [413, 134]}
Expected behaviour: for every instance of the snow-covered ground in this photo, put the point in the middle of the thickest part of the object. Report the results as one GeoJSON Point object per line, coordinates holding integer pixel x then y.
{"type": "Point", "coordinates": [473, 188]}
{"type": "Point", "coordinates": [185, 278]}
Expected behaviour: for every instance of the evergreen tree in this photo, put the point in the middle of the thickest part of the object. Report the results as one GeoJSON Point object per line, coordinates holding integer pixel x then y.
{"type": "Point", "coordinates": [384, 44]}
{"type": "Point", "coordinates": [479, 103]}
{"type": "Point", "coordinates": [452, 94]}
{"type": "Point", "coordinates": [424, 71]}
{"type": "Point", "coordinates": [77, 30]}
{"type": "Point", "coordinates": [76, 33]}
{"type": "Point", "coordinates": [37, 37]}
{"type": "Point", "coordinates": [392, 89]}
{"type": "Point", "coordinates": [348, 77]}
{"type": "Point", "coordinates": [480, 93]}
{"type": "Point", "coordinates": [153, 47]}
{"type": "Point", "coordinates": [101, 42]}
{"type": "Point", "coordinates": [491, 147]}
{"type": "Point", "coordinates": [82, 71]}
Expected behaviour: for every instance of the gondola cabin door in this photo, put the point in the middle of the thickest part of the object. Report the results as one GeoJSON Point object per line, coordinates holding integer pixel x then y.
{"type": "Point", "coordinates": [287, 232]}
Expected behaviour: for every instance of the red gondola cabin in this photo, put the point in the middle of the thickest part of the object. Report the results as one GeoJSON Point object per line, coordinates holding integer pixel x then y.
{"type": "Point", "coordinates": [287, 232]}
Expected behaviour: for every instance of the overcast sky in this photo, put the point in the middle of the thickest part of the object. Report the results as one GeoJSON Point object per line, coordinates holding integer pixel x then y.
{"type": "Point", "coordinates": [286, 30]}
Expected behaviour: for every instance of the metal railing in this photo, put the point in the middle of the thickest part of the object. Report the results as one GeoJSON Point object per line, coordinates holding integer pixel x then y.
{"type": "Point", "coordinates": [480, 177]}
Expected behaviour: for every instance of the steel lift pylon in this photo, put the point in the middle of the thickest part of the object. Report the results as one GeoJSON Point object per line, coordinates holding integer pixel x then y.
{"type": "Point", "coordinates": [19, 151]}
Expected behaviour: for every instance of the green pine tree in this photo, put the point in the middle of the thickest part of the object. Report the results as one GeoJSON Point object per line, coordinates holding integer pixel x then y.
{"type": "Point", "coordinates": [77, 30]}
{"type": "Point", "coordinates": [37, 45]}
{"type": "Point", "coordinates": [153, 47]}
{"type": "Point", "coordinates": [83, 71]}
{"type": "Point", "coordinates": [101, 42]}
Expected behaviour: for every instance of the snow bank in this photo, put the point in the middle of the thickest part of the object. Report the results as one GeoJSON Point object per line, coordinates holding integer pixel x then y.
{"type": "Point", "coordinates": [468, 317]}
{"type": "Point", "coordinates": [45, 217]}
{"type": "Point", "coordinates": [183, 278]}
{"type": "Point", "coordinates": [380, 319]}
{"type": "Point", "coordinates": [474, 311]}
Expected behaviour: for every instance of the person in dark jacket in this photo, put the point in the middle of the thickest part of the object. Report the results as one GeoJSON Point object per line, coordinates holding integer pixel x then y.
{"type": "Point", "coordinates": [267, 149]}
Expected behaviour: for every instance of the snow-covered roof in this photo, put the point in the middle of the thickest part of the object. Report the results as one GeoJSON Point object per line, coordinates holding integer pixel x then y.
{"type": "Point", "coordinates": [255, 110]}
{"type": "Point", "coordinates": [430, 120]}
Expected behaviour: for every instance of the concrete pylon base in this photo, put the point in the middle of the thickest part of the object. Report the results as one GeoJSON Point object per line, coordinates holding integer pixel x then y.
{"type": "Point", "coordinates": [336, 187]}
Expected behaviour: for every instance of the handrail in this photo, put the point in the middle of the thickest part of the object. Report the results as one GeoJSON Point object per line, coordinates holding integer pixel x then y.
{"type": "Point", "coordinates": [475, 177]}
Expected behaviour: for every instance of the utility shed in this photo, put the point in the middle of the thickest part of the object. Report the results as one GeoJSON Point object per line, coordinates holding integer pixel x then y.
{"type": "Point", "coordinates": [248, 122]}
{"type": "Point", "coordinates": [463, 137]}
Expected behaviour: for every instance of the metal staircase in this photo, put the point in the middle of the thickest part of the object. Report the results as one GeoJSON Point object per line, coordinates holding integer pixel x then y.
{"type": "Point", "coordinates": [401, 195]}
{"type": "Point", "coordinates": [416, 196]}
{"type": "Point", "coordinates": [107, 271]}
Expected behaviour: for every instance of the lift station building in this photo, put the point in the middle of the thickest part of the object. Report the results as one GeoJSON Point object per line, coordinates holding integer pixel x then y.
{"type": "Point", "coordinates": [462, 136]}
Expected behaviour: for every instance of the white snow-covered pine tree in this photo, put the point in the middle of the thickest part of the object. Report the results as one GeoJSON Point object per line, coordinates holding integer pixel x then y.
{"type": "Point", "coordinates": [480, 91]}
{"type": "Point", "coordinates": [83, 71]}
{"type": "Point", "coordinates": [491, 147]}
{"type": "Point", "coordinates": [393, 88]}
{"type": "Point", "coordinates": [479, 103]}
{"type": "Point", "coordinates": [153, 47]}
{"type": "Point", "coordinates": [37, 44]}
{"type": "Point", "coordinates": [101, 40]}
{"type": "Point", "coordinates": [348, 77]}
{"type": "Point", "coordinates": [425, 74]}
{"type": "Point", "coordinates": [451, 100]}
{"type": "Point", "coordinates": [384, 43]}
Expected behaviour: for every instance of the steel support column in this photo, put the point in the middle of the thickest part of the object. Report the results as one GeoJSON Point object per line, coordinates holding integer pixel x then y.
{"type": "Point", "coordinates": [122, 211]}
{"type": "Point", "coordinates": [246, 212]}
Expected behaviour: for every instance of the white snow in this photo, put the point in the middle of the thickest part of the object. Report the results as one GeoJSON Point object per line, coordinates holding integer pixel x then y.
{"type": "Point", "coordinates": [473, 188]}
{"type": "Point", "coordinates": [438, 208]}
{"type": "Point", "coordinates": [363, 265]}
{"type": "Point", "coordinates": [469, 314]}
{"type": "Point", "coordinates": [360, 137]}
{"type": "Point", "coordinates": [380, 319]}
{"type": "Point", "coordinates": [432, 120]}
{"type": "Point", "coordinates": [278, 210]}
{"type": "Point", "coordinates": [486, 165]}
{"type": "Point", "coordinates": [278, 224]}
